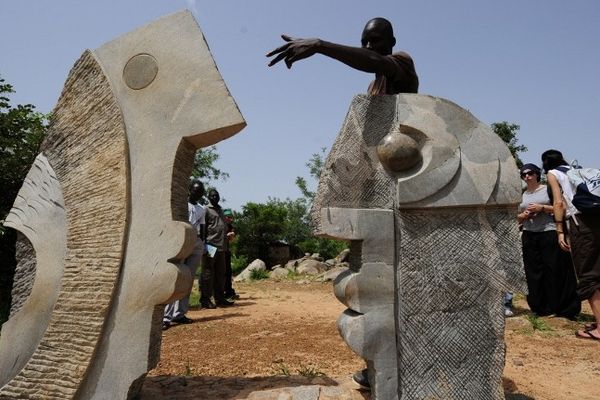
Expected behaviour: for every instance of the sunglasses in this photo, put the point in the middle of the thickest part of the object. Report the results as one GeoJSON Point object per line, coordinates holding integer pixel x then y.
{"type": "Point", "coordinates": [528, 173]}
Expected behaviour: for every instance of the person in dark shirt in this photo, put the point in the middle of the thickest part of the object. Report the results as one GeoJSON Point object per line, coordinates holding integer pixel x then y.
{"type": "Point", "coordinates": [394, 72]}
{"type": "Point", "coordinates": [212, 276]}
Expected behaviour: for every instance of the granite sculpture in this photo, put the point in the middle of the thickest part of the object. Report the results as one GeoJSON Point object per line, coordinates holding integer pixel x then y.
{"type": "Point", "coordinates": [104, 211]}
{"type": "Point", "coordinates": [427, 196]}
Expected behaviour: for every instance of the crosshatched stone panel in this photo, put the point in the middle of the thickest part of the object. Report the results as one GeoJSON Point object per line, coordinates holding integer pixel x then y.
{"type": "Point", "coordinates": [352, 176]}
{"type": "Point", "coordinates": [451, 275]}
{"type": "Point", "coordinates": [86, 147]}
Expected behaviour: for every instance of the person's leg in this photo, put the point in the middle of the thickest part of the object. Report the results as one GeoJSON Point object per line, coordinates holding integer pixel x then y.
{"type": "Point", "coordinates": [585, 248]}
{"type": "Point", "coordinates": [508, 304]}
{"type": "Point", "coordinates": [229, 291]}
{"type": "Point", "coordinates": [206, 281]}
{"type": "Point", "coordinates": [168, 315]}
{"type": "Point", "coordinates": [192, 263]}
{"type": "Point", "coordinates": [532, 260]}
{"type": "Point", "coordinates": [219, 279]}
{"type": "Point", "coordinates": [595, 304]}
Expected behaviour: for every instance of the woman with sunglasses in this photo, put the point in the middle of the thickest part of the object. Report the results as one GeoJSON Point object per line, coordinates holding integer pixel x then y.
{"type": "Point", "coordinates": [549, 271]}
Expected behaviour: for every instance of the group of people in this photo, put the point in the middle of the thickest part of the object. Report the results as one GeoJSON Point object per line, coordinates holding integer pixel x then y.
{"type": "Point", "coordinates": [214, 232]}
{"type": "Point", "coordinates": [561, 244]}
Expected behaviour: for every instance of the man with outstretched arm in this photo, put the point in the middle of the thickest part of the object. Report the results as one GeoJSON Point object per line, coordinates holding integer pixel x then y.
{"type": "Point", "coordinates": [394, 72]}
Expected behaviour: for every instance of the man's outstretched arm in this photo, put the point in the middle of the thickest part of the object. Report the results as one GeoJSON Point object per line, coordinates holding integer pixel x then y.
{"type": "Point", "coordinates": [356, 57]}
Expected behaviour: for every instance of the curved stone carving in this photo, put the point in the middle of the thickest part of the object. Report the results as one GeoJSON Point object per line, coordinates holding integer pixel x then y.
{"type": "Point", "coordinates": [122, 144]}
{"type": "Point", "coordinates": [39, 214]}
{"type": "Point", "coordinates": [432, 243]}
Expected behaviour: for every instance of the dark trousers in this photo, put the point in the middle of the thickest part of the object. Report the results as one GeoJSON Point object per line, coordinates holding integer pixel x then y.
{"type": "Point", "coordinates": [585, 246]}
{"type": "Point", "coordinates": [229, 291]}
{"type": "Point", "coordinates": [212, 278]}
{"type": "Point", "coordinates": [550, 276]}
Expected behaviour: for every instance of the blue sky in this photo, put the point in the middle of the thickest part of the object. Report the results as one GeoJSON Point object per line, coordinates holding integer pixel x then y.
{"type": "Point", "coordinates": [534, 63]}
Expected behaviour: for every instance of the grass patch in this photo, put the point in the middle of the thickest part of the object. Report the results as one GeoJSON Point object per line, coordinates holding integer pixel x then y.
{"type": "Point", "coordinates": [281, 369]}
{"type": "Point", "coordinates": [292, 274]}
{"type": "Point", "coordinates": [258, 274]}
{"type": "Point", "coordinates": [195, 294]}
{"type": "Point", "coordinates": [538, 324]}
{"type": "Point", "coordinates": [309, 371]}
{"type": "Point", "coordinates": [238, 264]}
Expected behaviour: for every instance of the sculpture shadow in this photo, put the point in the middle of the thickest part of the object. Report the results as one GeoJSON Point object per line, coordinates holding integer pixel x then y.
{"type": "Point", "coordinates": [226, 388]}
{"type": "Point", "coordinates": [510, 391]}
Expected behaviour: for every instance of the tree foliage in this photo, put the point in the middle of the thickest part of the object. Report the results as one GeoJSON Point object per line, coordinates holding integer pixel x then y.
{"type": "Point", "coordinates": [261, 224]}
{"type": "Point", "coordinates": [204, 165]}
{"type": "Point", "coordinates": [508, 133]}
{"type": "Point", "coordinates": [315, 166]}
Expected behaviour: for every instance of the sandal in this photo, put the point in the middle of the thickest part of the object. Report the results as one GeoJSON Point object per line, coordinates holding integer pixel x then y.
{"type": "Point", "coordinates": [590, 327]}
{"type": "Point", "coordinates": [586, 335]}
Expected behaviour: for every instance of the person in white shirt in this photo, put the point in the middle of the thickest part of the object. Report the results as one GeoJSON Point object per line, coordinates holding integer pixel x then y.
{"type": "Point", "coordinates": [175, 311]}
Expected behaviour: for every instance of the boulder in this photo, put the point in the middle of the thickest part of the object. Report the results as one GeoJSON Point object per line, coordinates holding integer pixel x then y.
{"type": "Point", "coordinates": [245, 274]}
{"type": "Point", "coordinates": [331, 274]}
{"type": "Point", "coordinates": [343, 256]}
{"type": "Point", "coordinates": [291, 265]}
{"type": "Point", "coordinates": [311, 267]}
{"type": "Point", "coordinates": [279, 272]}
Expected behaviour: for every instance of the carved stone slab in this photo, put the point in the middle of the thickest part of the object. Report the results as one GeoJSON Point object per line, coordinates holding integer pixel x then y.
{"type": "Point", "coordinates": [121, 148]}
{"type": "Point", "coordinates": [427, 196]}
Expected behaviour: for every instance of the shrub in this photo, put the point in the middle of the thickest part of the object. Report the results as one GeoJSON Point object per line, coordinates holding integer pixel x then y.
{"type": "Point", "coordinates": [258, 274]}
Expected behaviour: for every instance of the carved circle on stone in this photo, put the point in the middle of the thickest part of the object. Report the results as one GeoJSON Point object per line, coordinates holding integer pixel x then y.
{"type": "Point", "coordinates": [398, 151]}
{"type": "Point", "coordinates": [140, 71]}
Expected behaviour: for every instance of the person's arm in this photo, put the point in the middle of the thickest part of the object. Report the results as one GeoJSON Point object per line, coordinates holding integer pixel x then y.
{"type": "Point", "coordinates": [558, 206]}
{"type": "Point", "coordinates": [522, 216]}
{"type": "Point", "coordinates": [356, 57]}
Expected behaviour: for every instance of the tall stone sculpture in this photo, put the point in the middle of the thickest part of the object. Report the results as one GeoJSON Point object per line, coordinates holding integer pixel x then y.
{"type": "Point", "coordinates": [104, 208]}
{"type": "Point", "coordinates": [426, 194]}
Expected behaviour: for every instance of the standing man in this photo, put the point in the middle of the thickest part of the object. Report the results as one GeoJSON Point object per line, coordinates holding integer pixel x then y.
{"type": "Point", "coordinates": [212, 277]}
{"type": "Point", "coordinates": [175, 311]}
{"type": "Point", "coordinates": [394, 72]}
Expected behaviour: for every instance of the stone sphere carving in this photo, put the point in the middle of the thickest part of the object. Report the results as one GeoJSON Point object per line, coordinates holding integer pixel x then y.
{"type": "Point", "coordinates": [140, 71]}
{"type": "Point", "coordinates": [398, 152]}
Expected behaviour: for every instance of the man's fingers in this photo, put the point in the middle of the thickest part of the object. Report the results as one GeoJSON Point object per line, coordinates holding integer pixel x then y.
{"type": "Point", "coordinates": [278, 50]}
{"type": "Point", "coordinates": [279, 57]}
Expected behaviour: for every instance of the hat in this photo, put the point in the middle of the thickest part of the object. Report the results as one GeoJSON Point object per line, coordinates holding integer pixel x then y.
{"type": "Point", "coordinates": [227, 212]}
{"type": "Point", "coordinates": [531, 167]}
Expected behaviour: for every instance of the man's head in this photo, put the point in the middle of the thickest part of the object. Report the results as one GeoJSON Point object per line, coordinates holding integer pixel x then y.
{"type": "Point", "coordinates": [228, 214]}
{"type": "Point", "coordinates": [378, 36]}
{"type": "Point", "coordinates": [196, 191]}
{"type": "Point", "coordinates": [213, 197]}
{"type": "Point", "coordinates": [552, 159]}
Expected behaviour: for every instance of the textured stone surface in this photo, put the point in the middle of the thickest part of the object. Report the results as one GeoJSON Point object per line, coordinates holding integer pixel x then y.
{"type": "Point", "coordinates": [122, 148]}
{"type": "Point", "coordinates": [24, 273]}
{"type": "Point", "coordinates": [39, 214]}
{"type": "Point", "coordinates": [434, 244]}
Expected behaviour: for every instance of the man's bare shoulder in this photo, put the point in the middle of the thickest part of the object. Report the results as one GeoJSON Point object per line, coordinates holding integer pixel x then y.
{"type": "Point", "coordinates": [402, 55]}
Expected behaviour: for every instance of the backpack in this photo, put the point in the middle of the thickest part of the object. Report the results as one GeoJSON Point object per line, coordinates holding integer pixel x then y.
{"type": "Point", "coordinates": [586, 185]}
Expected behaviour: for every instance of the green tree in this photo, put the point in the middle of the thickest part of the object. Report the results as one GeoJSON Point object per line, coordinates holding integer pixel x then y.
{"type": "Point", "coordinates": [22, 130]}
{"type": "Point", "coordinates": [508, 133]}
{"type": "Point", "coordinates": [315, 166]}
{"type": "Point", "coordinates": [260, 225]}
{"type": "Point", "coordinates": [204, 165]}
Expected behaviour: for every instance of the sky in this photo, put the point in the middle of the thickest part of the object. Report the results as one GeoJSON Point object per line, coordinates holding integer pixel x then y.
{"type": "Point", "coordinates": [534, 63]}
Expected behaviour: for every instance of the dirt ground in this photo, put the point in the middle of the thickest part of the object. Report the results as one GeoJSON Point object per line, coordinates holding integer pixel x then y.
{"type": "Point", "coordinates": [284, 334]}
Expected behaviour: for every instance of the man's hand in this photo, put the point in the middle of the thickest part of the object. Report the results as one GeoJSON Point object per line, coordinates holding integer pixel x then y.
{"type": "Point", "coordinates": [294, 50]}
